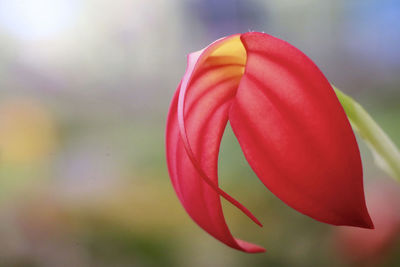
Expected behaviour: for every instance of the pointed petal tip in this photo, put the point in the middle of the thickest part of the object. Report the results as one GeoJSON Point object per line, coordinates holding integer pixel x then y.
{"type": "Point", "coordinates": [255, 220]}
{"type": "Point", "coordinates": [365, 225]}
{"type": "Point", "coordinates": [368, 224]}
{"type": "Point", "coordinates": [249, 247]}
{"type": "Point", "coordinates": [371, 227]}
{"type": "Point", "coordinates": [364, 222]}
{"type": "Point", "coordinates": [258, 250]}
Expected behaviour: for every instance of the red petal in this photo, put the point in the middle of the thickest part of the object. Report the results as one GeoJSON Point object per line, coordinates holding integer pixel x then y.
{"type": "Point", "coordinates": [196, 122]}
{"type": "Point", "coordinates": [295, 134]}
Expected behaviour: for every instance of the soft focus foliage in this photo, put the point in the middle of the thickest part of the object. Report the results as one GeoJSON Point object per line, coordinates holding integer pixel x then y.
{"type": "Point", "coordinates": [83, 106]}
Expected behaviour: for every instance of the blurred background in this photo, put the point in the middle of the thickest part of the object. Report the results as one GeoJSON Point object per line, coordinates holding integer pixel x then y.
{"type": "Point", "coordinates": [84, 92]}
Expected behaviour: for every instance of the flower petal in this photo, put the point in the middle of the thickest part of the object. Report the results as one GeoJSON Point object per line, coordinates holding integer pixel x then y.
{"type": "Point", "coordinates": [196, 122]}
{"type": "Point", "coordinates": [295, 134]}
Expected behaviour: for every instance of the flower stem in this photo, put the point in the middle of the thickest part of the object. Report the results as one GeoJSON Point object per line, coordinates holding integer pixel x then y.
{"type": "Point", "coordinates": [386, 154]}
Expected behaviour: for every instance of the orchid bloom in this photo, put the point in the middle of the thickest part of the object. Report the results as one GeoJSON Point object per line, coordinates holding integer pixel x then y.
{"type": "Point", "coordinates": [289, 123]}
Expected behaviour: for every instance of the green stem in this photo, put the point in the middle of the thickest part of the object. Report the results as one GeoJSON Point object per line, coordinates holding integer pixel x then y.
{"type": "Point", "coordinates": [386, 154]}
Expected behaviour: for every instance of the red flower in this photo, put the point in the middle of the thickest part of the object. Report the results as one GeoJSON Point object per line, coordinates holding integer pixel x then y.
{"type": "Point", "coordinates": [289, 123]}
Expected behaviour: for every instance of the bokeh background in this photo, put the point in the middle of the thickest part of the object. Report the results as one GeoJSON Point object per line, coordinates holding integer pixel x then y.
{"type": "Point", "coordinates": [85, 87]}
